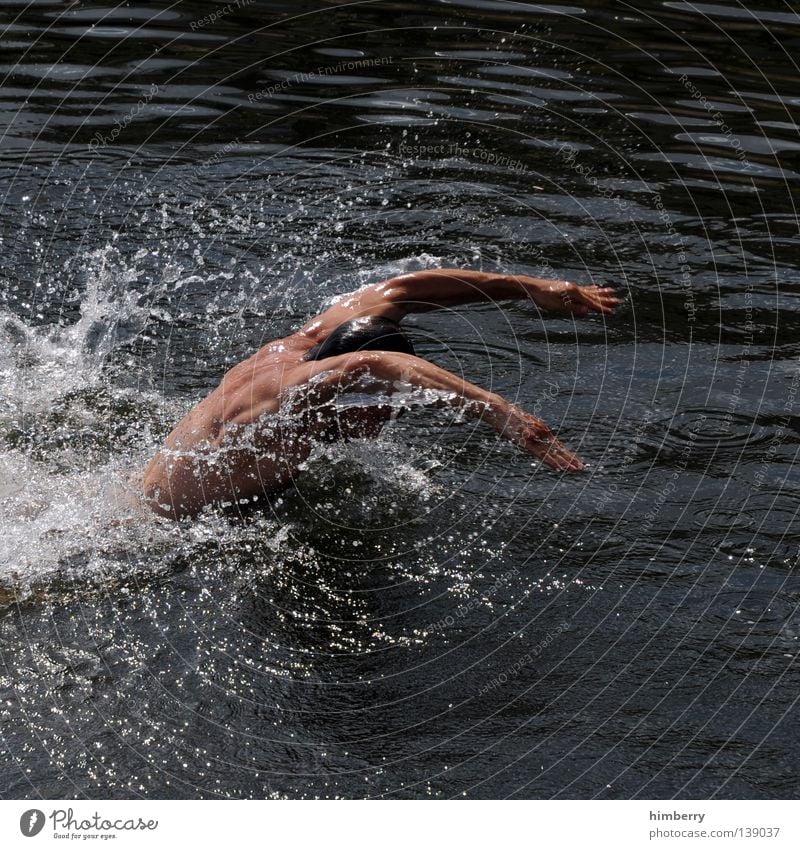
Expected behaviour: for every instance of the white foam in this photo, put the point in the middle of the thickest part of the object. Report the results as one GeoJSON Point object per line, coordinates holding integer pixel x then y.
{"type": "Point", "coordinates": [62, 510]}
{"type": "Point", "coordinates": [68, 513]}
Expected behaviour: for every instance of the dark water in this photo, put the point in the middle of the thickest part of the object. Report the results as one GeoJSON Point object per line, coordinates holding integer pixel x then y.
{"type": "Point", "coordinates": [433, 615]}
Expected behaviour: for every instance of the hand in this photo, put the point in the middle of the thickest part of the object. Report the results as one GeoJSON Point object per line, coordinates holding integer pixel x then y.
{"type": "Point", "coordinates": [564, 298]}
{"type": "Point", "coordinates": [535, 437]}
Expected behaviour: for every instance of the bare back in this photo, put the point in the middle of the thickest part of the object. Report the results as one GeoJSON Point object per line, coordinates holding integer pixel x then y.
{"type": "Point", "coordinates": [234, 444]}
{"type": "Point", "coordinates": [252, 433]}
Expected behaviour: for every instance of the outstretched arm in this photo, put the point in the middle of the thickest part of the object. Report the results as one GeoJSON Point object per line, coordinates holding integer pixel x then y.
{"type": "Point", "coordinates": [209, 458]}
{"type": "Point", "coordinates": [376, 371]}
{"type": "Point", "coordinates": [422, 291]}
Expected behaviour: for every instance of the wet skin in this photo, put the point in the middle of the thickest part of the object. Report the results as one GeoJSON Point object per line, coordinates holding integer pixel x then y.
{"type": "Point", "coordinates": [252, 433]}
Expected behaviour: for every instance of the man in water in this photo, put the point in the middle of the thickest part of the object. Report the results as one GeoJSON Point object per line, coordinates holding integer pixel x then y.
{"type": "Point", "coordinates": [249, 437]}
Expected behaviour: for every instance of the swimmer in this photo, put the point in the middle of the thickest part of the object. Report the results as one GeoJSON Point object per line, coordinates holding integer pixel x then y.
{"type": "Point", "coordinates": [250, 436]}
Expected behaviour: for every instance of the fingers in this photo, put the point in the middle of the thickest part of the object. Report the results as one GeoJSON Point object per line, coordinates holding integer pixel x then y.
{"type": "Point", "coordinates": [561, 460]}
{"type": "Point", "coordinates": [554, 455]}
{"type": "Point", "coordinates": [534, 436]}
{"type": "Point", "coordinates": [602, 300]}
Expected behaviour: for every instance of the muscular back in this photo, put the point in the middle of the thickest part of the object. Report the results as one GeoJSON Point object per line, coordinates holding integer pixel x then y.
{"type": "Point", "coordinates": [223, 448]}
{"type": "Point", "coordinates": [251, 434]}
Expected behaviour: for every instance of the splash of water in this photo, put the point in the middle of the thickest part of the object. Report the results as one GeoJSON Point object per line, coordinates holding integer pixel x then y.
{"type": "Point", "coordinates": [71, 436]}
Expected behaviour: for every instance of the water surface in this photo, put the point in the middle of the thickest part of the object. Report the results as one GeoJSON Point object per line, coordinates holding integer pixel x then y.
{"type": "Point", "coordinates": [432, 615]}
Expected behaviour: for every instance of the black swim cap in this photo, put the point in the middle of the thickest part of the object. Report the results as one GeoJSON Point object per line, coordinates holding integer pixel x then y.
{"type": "Point", "coordinates": [370, 333]}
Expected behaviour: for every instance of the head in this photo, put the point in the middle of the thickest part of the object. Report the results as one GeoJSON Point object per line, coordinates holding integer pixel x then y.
{"type": "Point", "coordinates": [370, 333]}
